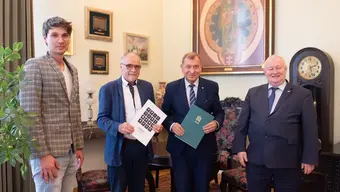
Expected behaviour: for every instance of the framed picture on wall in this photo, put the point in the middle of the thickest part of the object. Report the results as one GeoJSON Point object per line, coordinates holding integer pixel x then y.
{"type": "Point", "coordinates": [99, 62]}
{"type": "Point", "coordinates": [98, 24]}
{"type": "Point", "coordinates": [138, 44]}
{"type": "Point", "coordinates": [69, 51]}
{"type": "Point", "coordinates": [233, 37]}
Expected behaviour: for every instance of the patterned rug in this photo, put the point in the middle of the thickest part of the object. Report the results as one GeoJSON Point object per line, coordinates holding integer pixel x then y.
{"type": "Point", "coordinates": [165, 183]}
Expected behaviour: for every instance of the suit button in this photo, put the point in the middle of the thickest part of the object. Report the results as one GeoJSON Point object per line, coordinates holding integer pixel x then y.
{"type": "Point", "coordinates": [69, 124]}
{"type": "Point", "coordinates": [266, 136]}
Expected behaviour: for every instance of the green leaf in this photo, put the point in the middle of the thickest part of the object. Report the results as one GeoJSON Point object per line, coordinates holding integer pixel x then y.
{"type": "Point", "coordinates": [12, 161]}
{"type": "Point", "coordinates": [18, 158]}
{"type": "Point", "coordinates": [27, 152]}
{"type": "Point", "coordinates": [14, 57]}
{"type": "Point", "coordinates": [7, 51]}
{"type": "Point", "coordinates": [2, 113]}
{"type": "Point", "coordinates": [20, 46]}
{"type": "Point", "coordinates": [15, 45]}
{"type": "Point", "coordinates": [4, 85]}
{"type": "Point", "coordinates": [3, 157]}
{"type": "Point", "coordinates": [23, 170]}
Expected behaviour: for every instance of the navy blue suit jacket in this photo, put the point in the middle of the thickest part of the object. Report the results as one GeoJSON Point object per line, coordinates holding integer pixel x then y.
{"type": "Point", "coordinates": [111, 113]}
{"type": "Point", "coordinates": [176, 106]}
{"type": "Point", "coordinates": [283, 139]}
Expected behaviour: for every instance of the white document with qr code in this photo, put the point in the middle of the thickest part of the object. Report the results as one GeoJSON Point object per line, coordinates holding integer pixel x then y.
{"type": "Point", "coordinates": [145, 118]}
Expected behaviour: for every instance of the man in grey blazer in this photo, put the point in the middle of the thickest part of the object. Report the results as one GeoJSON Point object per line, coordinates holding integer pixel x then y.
{"type": "Point", "coordinates": [280, 120]}
{"type": "Point", "coordinates": [52, 97]}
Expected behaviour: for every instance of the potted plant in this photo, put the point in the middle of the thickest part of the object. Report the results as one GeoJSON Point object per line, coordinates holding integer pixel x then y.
{"type": "Point", "coordinates": [14, 122]}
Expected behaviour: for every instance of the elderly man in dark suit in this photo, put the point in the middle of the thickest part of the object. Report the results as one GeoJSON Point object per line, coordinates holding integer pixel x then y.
{"type": "Point", "coordinates": [52, 97]}
{"type": "Point", "coordinates": [280, 120]}
{"type": "Point", "coordinates": [191, 166]}
{"type": "Point", "coordinates": [119, 101]}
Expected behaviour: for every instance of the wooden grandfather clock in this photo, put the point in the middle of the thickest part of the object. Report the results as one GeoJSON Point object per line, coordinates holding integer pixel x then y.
{"type": "Point", "coordinates": [314, 69]}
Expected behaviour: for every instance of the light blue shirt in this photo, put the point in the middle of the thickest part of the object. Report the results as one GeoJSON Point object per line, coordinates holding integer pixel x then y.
{"type": "Point", "coordinates": [278, 94]}
{"type": "Point", "coordinates": [188, 88]}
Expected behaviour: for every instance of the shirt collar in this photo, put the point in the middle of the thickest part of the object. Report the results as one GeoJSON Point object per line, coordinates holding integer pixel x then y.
{"type": "Point", "coordinates": [187, 83]}
{"type": "Point", "coordinates": [281, 87]}
{"type": "Point", "coordinates": [125, 82]}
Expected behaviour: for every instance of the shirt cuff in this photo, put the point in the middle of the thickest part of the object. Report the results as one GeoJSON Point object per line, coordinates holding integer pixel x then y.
{"type": "Point", "coordinates": [218, 125]}
{"type": "Point", "coordinates": [171, 126]}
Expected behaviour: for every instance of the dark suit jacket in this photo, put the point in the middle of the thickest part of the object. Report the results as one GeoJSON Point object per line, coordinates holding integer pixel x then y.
{"type": "Point", "coordinates": [283, 139]}
{"type": "Point", "coordinates": [111, 113]}
{"type": "Point", "coordinates": [176, 106]}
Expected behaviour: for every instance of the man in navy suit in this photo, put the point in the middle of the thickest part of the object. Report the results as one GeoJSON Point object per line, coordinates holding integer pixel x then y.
{"type": "Point", "coordinates": [280, 120]}
{"type": "Point", "coordinates": [119, 101]}
{"type": "Point", "coordinates": [191, 166]}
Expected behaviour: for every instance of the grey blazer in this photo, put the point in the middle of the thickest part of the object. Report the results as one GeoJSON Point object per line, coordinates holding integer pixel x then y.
{"type": "Point", "coordinates": [57, 120]}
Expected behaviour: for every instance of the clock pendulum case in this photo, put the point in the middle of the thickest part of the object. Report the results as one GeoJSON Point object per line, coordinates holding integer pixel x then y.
{"type": "Point", "coordinates": [314, 69]}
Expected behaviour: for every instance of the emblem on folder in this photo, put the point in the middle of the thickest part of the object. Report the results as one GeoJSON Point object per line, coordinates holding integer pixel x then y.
{"type": "Point", "coordinates": [198, 119]}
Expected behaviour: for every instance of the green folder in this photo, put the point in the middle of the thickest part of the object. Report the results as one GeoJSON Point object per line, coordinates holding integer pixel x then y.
{"type": "Point", "coordinates": [193, 124]}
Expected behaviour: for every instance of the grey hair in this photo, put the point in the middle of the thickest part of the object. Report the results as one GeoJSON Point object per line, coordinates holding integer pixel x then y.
{"type": "Point", "coordinates": [273, 58]}
{"type": "Point", "coordinates": [122, 59]}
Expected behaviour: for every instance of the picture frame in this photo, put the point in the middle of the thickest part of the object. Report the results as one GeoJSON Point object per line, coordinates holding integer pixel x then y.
{"type": "Point", "coordinates": [99, 62]}
{"type": "Point", "coordinates": [69, 51]}
{"type": "Point", "coordinates": [98, 24]}
{"type": "Point", "coordinates": [138, 44]}
{"type": "Point", "coordinates": [233, 37]}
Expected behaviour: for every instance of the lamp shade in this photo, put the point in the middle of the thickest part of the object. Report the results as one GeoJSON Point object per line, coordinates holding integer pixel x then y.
{"type": "Point", "coordinates": [90, 101]}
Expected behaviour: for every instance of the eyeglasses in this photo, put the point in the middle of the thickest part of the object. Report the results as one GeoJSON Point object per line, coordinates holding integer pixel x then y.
{"type": "Point", "coordinates": [130, 66]}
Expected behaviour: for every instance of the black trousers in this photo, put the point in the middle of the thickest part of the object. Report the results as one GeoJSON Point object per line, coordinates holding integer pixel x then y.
{"type": "Point", "coordinates": [259, 178]}
{"type": "Point", "coordinates": [135, 164]}
{"type": "Point", "coordinates": [192, 171]}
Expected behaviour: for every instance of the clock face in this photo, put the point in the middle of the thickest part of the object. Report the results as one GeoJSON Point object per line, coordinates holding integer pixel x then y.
{"type": "Point", "coordinates": [309, 67]}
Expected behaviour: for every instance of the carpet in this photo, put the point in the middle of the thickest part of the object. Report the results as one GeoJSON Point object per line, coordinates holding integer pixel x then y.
{"type": "Point", "coordinates": [165, 183]}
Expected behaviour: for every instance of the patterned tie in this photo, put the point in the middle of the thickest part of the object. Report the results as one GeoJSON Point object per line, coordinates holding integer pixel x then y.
{"type": "Point", "coordinates": [192, 94]}
{"type": "Point", "coordinates": [132, 91]}
{"type": "Point", "coordinates": [271, 98]}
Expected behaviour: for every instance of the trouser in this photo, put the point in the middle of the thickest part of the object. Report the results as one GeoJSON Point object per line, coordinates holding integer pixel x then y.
{"type": "Point", "coordinates": [66, 179]}
{"type": "Point", "coordinates": [259, 178]}
{"type": "Point", "coordinates": [134, 167]}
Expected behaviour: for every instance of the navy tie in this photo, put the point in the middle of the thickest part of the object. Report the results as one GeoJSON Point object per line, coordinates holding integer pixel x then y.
{"type": "Point", "coordinates": [132, 90]}
{"type": "Point", "coordinates": [271, 98]}
{"type": "Point", "coordinates": [192, 94]}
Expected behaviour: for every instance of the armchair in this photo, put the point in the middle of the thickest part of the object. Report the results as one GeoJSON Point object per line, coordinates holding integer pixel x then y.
{"type": "Point", "coordinates": [91, 181]}
{"type": "Point", "coordinates": [233, 176]}
{"type": "Point", "coordinates": [225, 135]}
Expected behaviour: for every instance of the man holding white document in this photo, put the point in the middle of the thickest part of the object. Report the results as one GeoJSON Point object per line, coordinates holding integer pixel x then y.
{"type": "Point", "coordinates": [119, 102]}
{"type": "Point", "coordinates": [191, 166]}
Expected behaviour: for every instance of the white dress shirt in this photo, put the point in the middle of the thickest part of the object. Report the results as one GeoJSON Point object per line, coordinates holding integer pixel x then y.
{"type": "Point", "coordinates": [188, 88]}
{"type": "Point", "coordinates": [278, 94]}
{"type": "Point", "coordinates": [130, 110]}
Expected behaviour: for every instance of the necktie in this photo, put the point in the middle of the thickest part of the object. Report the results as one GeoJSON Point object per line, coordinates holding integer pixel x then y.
{"type": "Point", "coordinates": [192, 94]}
{"type": "Point", "coordinates": [271, 98]}
{"type": "Point", "coordinates": [132, 91]}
